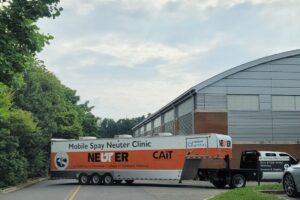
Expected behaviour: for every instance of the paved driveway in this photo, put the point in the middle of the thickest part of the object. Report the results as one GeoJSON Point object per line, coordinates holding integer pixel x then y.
{"type": "Point", "coordinates": [140, 190]}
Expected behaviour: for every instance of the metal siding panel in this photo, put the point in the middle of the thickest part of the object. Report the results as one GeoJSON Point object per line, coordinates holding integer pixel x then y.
{"type": "Point", "coordinates": [249, 90]}
{"type": "Point", "coordinates": [250, 75]}
{"type": "Point", "coordinates": [200, 101]}
{"type": "Point", "coordinates": [253, 126]}
{"type": "Point", "coordinates": [185, 107]}
{"type": "Point", "coordinates": [169, 127]}
{"type": "Point", "coordinates": [285, 68]}
{"type": "Point", "coordinates": [265, 106]}
{"type": "Point", "coordinates": [265, 102]}
{"type": "Point", "coordinates": [156, 130]}
{"type": "Point", "coordinates": [259, 68]}
{"type": "Point", "coordinates": [185, 124]}
{"type": "Point", "coordinates": [214, 90]}
{"type": "Point", "coordinates": [157, 122]}
{"type": "Point", "coordinates": [286, 126]}
{"type": "Point", "coordinates": [169, 116]}
{"type": "Point", "coordinates": [286, 83]}
{"type": "Point", "coordinates": [275, 68]}
{"type": "Point", "coordinates": [265, 98]}
{"type": "Point", "coordinates": [287, 61]}
{"type": "Point", "coordinates": [286, 91]}
{"type": "Point", "coordinates": [222, 82]}
{"type": "Point", "coordinates": [215, 102]}
{"type": "Point", "coordinates": [248, 83]}
{"type": "Point", "coordinates": [285, 75]}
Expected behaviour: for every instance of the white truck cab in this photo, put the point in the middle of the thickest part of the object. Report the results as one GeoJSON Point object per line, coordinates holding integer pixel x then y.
{"type": "Point", "coordinates": [272, 164]}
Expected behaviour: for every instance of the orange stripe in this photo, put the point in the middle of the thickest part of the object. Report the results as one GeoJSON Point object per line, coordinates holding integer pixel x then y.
{"type": "Point", "coordinates": [142, 159]}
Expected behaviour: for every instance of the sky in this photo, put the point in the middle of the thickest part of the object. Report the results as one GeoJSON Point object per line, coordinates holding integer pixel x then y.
{"type": "Point", "coordinates": [131, 57]}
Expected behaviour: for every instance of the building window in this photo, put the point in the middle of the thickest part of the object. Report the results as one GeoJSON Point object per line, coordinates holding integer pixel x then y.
{"type": "Point", "coordinates": [286, 103]}
{"type": "Point", "coordinates": [157, 122]}
{"type": "Point", "coordinates": [243, 102]}
{"type": "Point", "coordinates": [169, 116]}
{"type": "Point", "coordinates": [297, 99]}
{"type": "Point", "coordinates": [185, 107]}
{"type": "Point", "coordinates": [142, 131]}
{"type": "Point", "coordinates": [148, 127]}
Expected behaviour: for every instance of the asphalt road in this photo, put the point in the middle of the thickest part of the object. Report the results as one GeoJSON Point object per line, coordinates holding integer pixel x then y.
{"type": "Point", "coordinates": [140, 190]}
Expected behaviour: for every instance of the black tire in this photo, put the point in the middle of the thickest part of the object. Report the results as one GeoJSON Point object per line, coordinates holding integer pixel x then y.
{"type": "Point", "coordinates": [289, 185]}
{"type": "Point", "coordinates": [84, 179]}
{"type": "Point", "coordinates": [107, 179]}
{"type": "Point", "coordinates": [129, 181]}
{"type": "Point", "coordinates": [219, 183]}
{"type": "Point", "coordinates": [238, 181]}
{"type": "Point", "coordinates": [118, 182]}
{"type": "Point", "coordinates": [95, 179]}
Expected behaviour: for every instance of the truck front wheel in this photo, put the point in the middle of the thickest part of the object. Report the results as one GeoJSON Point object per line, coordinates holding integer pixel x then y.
{"type": "Point", "coordinates": [84, 179]}
{"type": "Point", "coordinates": [238, 181]}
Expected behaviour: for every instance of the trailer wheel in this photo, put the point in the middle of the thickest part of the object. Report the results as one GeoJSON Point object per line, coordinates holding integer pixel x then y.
{"type": "Point", "coordinates": [129, 181]}
{"type": "Point", "coordinates": [219, 183]}
{"type": "Point", "coordinates": [108, 179]}
{"type": "Point", "coordinates": [84, 179]}
{"type": "Point", "coordinates": [96, 179]}
{"type": "Point", "coordinates": [238, 181]}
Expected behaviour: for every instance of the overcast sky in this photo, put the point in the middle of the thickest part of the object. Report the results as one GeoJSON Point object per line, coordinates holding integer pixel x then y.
{"type": "Point", "coordinates": [131, 57]}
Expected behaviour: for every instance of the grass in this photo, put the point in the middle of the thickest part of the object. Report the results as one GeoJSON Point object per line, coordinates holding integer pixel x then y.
{"type": "Point", "coordinates": [276, 186]}
{"type": "Point", "coordinates": [250, 193]}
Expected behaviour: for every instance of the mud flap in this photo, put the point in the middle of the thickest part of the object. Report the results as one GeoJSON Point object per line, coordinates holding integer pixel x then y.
{"type": "Point", "coordinates": [190, 169]}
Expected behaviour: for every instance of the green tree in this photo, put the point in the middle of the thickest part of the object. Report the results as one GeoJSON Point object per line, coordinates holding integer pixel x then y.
{"type": "Point", "coordinates": [20, 38]}
{"type": "Point", "coordinates": [109, 128]}
{"type": "Point", "coordinates": [31, 143]}
{"type": "Point", "coordinates": [34, 105]}
{"type": "Point", "coordinates": [54, 105]}
{"type": "Point", "coordinates": [13, 166]}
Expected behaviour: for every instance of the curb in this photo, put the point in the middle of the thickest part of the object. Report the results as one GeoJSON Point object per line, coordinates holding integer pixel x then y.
{"type": "Point", "coordinates": [210, 197]}
{"type": "Point", "coordinates": [23, 185]}
{"type": "Point", "coordinates": [272, 191]}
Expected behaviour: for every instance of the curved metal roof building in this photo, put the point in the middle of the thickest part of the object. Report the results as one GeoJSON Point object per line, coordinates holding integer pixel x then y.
{"type": "Point", "coordinates": [256, 103]}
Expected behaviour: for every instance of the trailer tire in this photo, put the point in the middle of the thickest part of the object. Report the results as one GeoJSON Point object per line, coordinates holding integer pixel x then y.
{"type": "Point", "coordinates": [96, 179]}
{"type": "Point", "coordinates": [238, 181]}
{"type": "Point", "coordinates": [108, 179]}
{"type": "Point", "coordinates": [129, 181]}
{"type": "Point", "coordinates": [219, 183]}
{"type": "Point", "coordinates": [84, 179]}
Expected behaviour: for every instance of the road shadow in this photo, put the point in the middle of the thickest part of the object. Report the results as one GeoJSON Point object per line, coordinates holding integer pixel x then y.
{"type": "Point", "coordinates": [161, 185]}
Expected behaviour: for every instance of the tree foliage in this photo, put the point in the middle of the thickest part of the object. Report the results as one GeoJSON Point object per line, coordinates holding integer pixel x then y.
{"type": "Point", "coordinates": [13, 166]}
{"type": "Point", "coordinates": [34, 105]}
{"type": "Point", "coordinates": [20, 36]}
{"type": "Point", "coordinates": [109, 128]}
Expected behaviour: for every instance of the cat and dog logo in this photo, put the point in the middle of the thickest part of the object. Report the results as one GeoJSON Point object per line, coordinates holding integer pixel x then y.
{"type": "Point", "coordinates": [61, 160]}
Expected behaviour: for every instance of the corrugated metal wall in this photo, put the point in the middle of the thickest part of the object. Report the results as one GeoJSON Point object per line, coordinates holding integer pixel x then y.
{"type": "Point", "coordinates": [169, 123]}
{"type": "Point", "coordinates": [185, 117]}
{"type": "Point", "coordinates": [211, 102]}
{"type": "Point", "coordinates": [157, 125]}
{"type": "Point", "coordinates": [280, 77]}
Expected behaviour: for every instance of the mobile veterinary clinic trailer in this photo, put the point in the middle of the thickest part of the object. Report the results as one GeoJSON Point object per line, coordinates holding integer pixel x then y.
{"type": "Point", "coordinates": [129, 159]}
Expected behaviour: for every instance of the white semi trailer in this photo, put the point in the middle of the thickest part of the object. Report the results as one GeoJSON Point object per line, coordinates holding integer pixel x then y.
{"type": "Point", "coordinates": [145, 158]}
